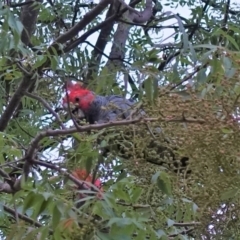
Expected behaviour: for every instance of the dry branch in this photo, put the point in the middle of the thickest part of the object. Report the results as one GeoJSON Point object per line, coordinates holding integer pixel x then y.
{"type": "Point", "coordinates": [52, 133]}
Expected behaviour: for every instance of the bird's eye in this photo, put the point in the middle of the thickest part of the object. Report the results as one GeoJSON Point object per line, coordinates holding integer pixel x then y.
{"type": "Point", "coordinates": [77, 99]}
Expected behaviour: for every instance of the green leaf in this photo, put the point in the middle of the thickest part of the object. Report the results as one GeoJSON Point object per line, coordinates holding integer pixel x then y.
{"type": "Point", "coordinates": [155, 177]}
{"type": "Point", "coordinates": [47, 195]}
{"type": "Point", "coordinates": [44, 231]}
{"type": "Point", "coordinates": [170, 222]}
{"type": "Point", "coordinates": [140, 236]}
{"type": "Point", "coordinates": [181, 29]}
{"type": "Point", "coordinates": [118, 234]}
{"type": "Point", "coordinates": [193, 53]}
{"type": "Point", "coordinates": [56, 216]}
{"type": "Point", "coordinates": [105, 208]}
{"type": "Point", "coordinates": [44, 206]}
{"type": "Point", "coordinates": [54, 62]}
{"type": "Point", "coordinates": [39, 200]}
{"type": "Point", "coordinates": [29, 201]}
{"type": "Point", "coordinates": [230, 73]}
{"type": "Point", "coordinates": [220, 32]}
{"type": "Point", "coordinates": [179, 215]}
{"type": "Point", "coordinates": [57, 234]}
{"type": "Point", "coordinates": [229, 194]}
{"type": "Point", "coordinates": [210, 46]}
{"type": "Point", "coordinates": [148, 86]}
{"type": "Point", "coordinates": [136, 194]}
{"type": "Point", "coordinates": [164, 183]}
{"type": "Point", "coordinates": [122, 194]}
{"type": "Point", "coordinates": [120, 222]}
{"type": "Point", "coordinates": [186, 200]}
{"type": "Point", "coordinates": [103, 236]}
{"type": "Point", "coordinates": [15, 24]}
{"type": "Point", "coordinates": [226, 130]}
{"type": "Point", "coordinates": [41, 59]}
{"type": "Point", "coordinates": [201, 76]}
{"type": "Point", "coordinates": [195, 208]}
{"type": "Point", "coordinates": [161, 233]}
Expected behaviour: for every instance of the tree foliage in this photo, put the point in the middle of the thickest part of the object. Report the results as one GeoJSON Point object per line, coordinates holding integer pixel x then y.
{"type": "Point", "coordinates": [183, 71]}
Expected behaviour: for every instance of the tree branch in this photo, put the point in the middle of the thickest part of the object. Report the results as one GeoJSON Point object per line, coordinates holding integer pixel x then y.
{"type": "Point", "coordinates": [219, 6]}
{"type": "Point", "coordinates": [28, 18]}
{"type": "Point", "coordinates": [21, 216]}
{"type": "Point", "coordinates": [121, 35]}
{"type": "Point", "coordinates": [90, 16]}
{"type": "Point", "coordinates": [145, 15]}
{"type": "Point", "coordinates": [101, 44]}
{"type": "Point", "coordinates": [173, 55]}
{"type": "Point", "coordinates": [6, 188]}
{"type": "Point", "coordinates": [15, 101]}
{"type": "Point", "coordinates": [51, 133]}
{"type": "Point", "coordinates": [101, 25]}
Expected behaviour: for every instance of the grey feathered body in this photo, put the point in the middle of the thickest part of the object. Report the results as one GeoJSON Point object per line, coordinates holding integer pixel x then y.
{"type": "Point", "coordinates": [110, 108]}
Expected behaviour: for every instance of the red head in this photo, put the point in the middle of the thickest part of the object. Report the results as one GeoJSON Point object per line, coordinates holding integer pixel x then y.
{"type": "Point", "coordinates": [82, 174]}
{"type": "Point", "coordinates": [78, 96]}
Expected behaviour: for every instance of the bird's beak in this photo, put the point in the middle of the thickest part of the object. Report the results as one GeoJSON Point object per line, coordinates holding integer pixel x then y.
{"type": "Point", "coordinates": [65, 105]}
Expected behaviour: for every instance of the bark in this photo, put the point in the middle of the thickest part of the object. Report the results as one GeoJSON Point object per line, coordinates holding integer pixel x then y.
{"type": "Point", "coordinates": [14, 102]}
{"type": "Point", "coordinates": [122, 33]}
{"type": "Point", "coordinates": [28, 18]}
{"type": "Point", "coordinates": [101, 43]}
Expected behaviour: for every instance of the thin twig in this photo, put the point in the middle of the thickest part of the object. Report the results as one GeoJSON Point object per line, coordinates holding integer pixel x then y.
{"type": "Point", "coordinates": [186, 224]}
{"type": "Point", "coordinates": [13, 5]}
{"type": "Point", "coordinates": [134, 205]}
{"type": "Point", "coordinates": [47, 106]}
{"type": "Point", "coordinates": [28, 134]}
{"type": "Point", "coordinates": [23, 69]}
{"type": "Point", "coordinates": [12, 162]}
{"type": "Point", "coordinates": [189, 76]}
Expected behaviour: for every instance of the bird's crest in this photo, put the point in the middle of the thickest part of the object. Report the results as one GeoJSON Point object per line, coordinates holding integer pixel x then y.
{"type": "Point", "coordinates": [78, 95]}
{"type": "Point", "coordinates": [74, 88]}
